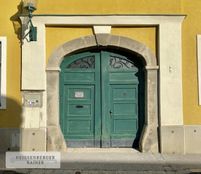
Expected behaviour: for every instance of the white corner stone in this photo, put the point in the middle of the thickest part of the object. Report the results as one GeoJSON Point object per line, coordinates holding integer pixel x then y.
{"type": "Point", "coordinates": [172, 139]}
{"type": "Point", "coordinates": [30, 137]}
{"type": "Point", "coordinates": [192, 139]}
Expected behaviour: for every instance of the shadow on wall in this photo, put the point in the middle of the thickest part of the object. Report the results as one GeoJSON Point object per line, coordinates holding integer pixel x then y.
{"type": "Point", "coordinates": [19, 28]}
{"type": "Point", "coordinates": [16, 20]}
{"type": "Point", "coordinates": [10, 123]}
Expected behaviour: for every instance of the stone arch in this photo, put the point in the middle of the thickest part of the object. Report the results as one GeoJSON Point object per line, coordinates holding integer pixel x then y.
{"type": "Point", "coordinates": [149, 139]}
{"type": "Point", "coordinates": [101, 40]}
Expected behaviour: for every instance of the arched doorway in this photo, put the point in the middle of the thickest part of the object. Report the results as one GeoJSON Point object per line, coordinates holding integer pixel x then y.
{"type": "Point", "coordinates": [149, 137]}
{"type": "Point", "coordinates": [102, 99]}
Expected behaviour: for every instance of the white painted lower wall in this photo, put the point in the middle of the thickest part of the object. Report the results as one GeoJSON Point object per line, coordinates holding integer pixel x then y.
{"type": "Point", "coordinates": [33, 139]}
{"type": "Point", "coordinates": [173, 140]}
{"type": "Point", "coordinates": [10, 139]}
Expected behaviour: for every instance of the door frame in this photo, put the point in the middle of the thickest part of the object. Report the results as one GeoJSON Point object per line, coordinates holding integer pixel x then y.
{"type": "Point", "coordinates": [149, 141]}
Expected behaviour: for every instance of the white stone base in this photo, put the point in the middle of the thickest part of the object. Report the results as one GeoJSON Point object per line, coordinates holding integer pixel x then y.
{"type": "Point", "coordinates": [175, 139]}
{"type": "Point", "coordinates": [172, 139]}
{"type": "Point", "coordinates": [9, 139]}
{"type": "Point", "coordinates": [192, 139]}
{"type": "Point", "coordinates": [180, 139]}
{"type": "Point", "coordinates": [33, 139]}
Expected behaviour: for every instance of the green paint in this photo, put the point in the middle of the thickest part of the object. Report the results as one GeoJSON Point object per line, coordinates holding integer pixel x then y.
{"type": "Point", "coordinates": [99, 100]}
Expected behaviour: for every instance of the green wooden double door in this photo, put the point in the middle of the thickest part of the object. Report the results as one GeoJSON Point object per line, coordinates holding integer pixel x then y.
{"type": "Point", "coordinates": [99, 100]}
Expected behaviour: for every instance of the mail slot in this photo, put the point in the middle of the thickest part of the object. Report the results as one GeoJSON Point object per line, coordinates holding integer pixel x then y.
{"type": "Point", "coordinates": [79, 106]}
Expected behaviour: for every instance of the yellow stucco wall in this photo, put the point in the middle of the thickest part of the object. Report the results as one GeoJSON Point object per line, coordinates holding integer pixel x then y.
{"type": "Point", "coordinates": [56, 36]}
{"type": "Point", "coordinates": [109, 7]}
{"type": "Point", "coordinates": [191, 26]}
{"type": "Point", "coordinates": [145, 35]}
{"type": "Point", "coordinates": [11, 116]}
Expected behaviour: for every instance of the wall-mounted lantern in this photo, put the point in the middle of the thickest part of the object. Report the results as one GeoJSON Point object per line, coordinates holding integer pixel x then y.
{"type": "Point", "coordinates": [30, 6]}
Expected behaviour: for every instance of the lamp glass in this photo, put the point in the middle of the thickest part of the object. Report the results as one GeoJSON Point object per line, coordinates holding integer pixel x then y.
{"type": "Point", "coordinates": [30, 3]}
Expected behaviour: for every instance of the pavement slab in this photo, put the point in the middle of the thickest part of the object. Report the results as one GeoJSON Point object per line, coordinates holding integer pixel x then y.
{"type": "Point", "coordinates": [116, 161]}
